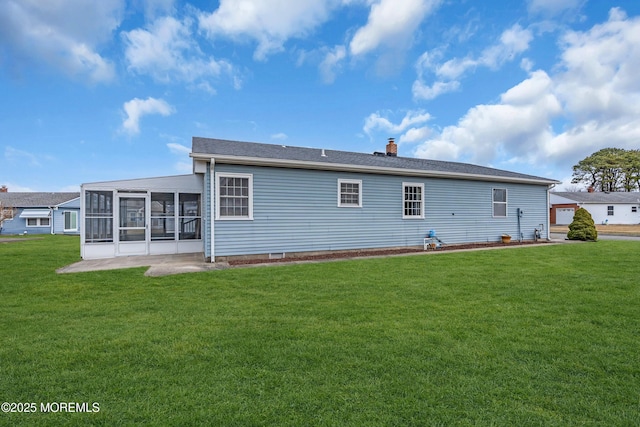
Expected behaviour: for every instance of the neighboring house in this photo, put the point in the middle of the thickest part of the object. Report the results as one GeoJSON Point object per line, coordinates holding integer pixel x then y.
{"type": "Point", "coordinates": [40, 213]}
{"type": "Point", "coordinates": [605, 208]}
{"type": "Point", "coordinates": [276, 200]}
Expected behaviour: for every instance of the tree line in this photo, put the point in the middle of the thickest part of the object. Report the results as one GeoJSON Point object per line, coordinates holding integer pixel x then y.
{"type": "Point", "coordinates": [609, 170]}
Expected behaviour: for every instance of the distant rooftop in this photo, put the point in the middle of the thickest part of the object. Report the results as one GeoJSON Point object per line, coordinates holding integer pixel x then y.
{"type": "Point", "coordinates": [600, 197]}
{"type": "Point", "coordinates": [35, 199]}
{"type": "Point", "coordinates": [317, 158]}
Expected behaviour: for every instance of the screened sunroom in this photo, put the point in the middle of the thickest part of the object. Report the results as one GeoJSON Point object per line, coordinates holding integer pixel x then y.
{"type": "Point", "coordinates": [149, 216]}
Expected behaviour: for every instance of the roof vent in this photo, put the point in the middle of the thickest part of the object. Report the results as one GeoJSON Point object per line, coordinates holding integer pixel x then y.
{"type": "Point", "coordinates": [379, 153]}
{"type": "Point", "coordinates": [323, 153]}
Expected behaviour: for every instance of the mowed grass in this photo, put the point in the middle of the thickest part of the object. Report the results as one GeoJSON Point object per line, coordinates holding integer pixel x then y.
{"type": "Point", "coordinates": [546, 335]}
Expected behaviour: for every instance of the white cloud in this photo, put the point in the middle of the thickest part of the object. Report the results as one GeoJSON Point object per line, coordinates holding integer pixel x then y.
{"type": "Point", "coordinates": [183, 167]}
{"type": "Point", "coordinates": [376, 121]}
{"type": "Point", "coordinates": [64, 34]}
{"type": "Point", "coordinates": [155, 8]}
{"type": "Point", "coordinates": [330, 65]}
{"type": "Point", "coordinates": [268, 22]}
{"type": "Point", "coordinates": [422, 91]}
{"type": "Point", "coordinates": [513, 127]}
{"type": "Point", "coordinates": [180, 149]}
{"type": "Point", "coordinates": [279, 136]}
{"type": "Point", "coordinates": [553, 7]}
{"type": "Point", "coordinates": [411, 128]}
{"type": "Point", "coordinates": [167, 51]}
{"type": "Point", "coordinates": [391, 23]}
{"type": "Point", "coordinates": [13, 155]}
{"type": "Point", "coordinates": [136, 108]}
{"type": "Point", "coordinates": [513, 42]}
{"type": "Point", "coordinates": [16, 188]}
{"type": "Point", "coordinates": [591, 102]}
{"type": "Point", "coordinates": [415, 135]}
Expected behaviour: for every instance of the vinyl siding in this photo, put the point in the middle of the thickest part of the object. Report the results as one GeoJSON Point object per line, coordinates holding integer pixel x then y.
{"type": "Point", "coordinates": [297, 210]}
{"type": "Point", "coordinates": [622, 213]}
{"type": "Point", "coordinates": [58, 216]}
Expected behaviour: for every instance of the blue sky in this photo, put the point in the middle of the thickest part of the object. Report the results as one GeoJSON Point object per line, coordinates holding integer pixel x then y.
{"type": "Point", "coordinates": [97, 91]}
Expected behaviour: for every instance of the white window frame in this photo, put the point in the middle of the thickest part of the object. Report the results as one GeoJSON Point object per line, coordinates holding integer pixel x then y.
{"type": "Point", "coordinates": [505, 203]}
{"type": "Point", "coordinates": [349, 181]}
{"type": "Point", "coordinates": [413, 184]}
{"type": "Point", "coordinates": [248, 176]}
{"type": "Point", "coordinates": [64, 220]}
{"type": "Point", "coordinates": [38, 222]}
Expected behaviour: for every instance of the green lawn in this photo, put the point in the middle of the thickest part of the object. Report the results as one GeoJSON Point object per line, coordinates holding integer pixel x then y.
{"type": "Point", "coordinates": [546, 335]}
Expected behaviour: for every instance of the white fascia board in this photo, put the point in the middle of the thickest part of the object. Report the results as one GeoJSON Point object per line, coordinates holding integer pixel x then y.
{"type": "Point", "coordinates": [70, 200]}
{"type": "Point", "coordinates": [297, 164]}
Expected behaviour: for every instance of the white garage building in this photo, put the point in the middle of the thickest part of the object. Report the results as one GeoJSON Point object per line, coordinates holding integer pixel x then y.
{"type": "Point", "coordinates": [605, 208]}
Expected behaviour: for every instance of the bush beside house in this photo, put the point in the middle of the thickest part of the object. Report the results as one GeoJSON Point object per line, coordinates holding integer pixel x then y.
{"type": "Point", "coordinates": [582, 227]}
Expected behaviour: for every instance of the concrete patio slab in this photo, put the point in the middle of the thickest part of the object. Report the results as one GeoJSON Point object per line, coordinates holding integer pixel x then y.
{"type": "Point", "coordinates": [159, 265]}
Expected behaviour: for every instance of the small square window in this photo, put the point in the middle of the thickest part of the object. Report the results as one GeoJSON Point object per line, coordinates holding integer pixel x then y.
{"type": "Point", "coordinates": [349, 193]}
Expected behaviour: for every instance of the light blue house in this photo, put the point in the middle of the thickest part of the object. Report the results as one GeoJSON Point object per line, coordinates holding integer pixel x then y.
{"type": "Point", "coordinates": [40, 213]}
{"type": "Point", "coordinates": [275, 200]}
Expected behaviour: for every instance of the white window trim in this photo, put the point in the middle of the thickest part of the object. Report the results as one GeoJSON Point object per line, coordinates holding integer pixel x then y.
{"type": "Point", "coordinates": [64, 220]}
{"type": "Point", "coordinates": [350, 181]}
{"type": "Point", "coordinates": [39, 225]}
{"type": "Point", "coordinates": [505, 203]}
{"type": "Point", "coordinates": [219, 175]}
{"type": "Point", "coordinates": [413, 184]}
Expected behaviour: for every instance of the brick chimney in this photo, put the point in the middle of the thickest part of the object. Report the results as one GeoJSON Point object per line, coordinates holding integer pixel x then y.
{"type": "Point", "coordinates": [591, 189]}
{"type": "Point", "coordinates": [4, 189]}
{"type": "Point", "coordinates": [392, 148]}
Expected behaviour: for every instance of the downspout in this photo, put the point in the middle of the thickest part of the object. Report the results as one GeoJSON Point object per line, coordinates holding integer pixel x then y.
{"type": "Point", "coordinates": [53, 216]}
{"type": "Point", "coordinates": [82, 221]}
{"type": "Point", "coordinates": [550, 187]}
{"type": "Point", "coordinates": [212, 207]}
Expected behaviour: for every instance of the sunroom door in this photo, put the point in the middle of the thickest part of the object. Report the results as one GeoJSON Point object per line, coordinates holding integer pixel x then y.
{"type": "Point", "coordinates": [133, 233]}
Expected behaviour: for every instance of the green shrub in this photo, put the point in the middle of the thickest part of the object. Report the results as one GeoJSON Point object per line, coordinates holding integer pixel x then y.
{"type": "Point", "coordinates": [582, 227]}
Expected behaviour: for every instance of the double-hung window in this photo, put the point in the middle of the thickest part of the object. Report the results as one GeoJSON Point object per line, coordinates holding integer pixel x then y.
{"type": "Point", "coordinates": [349, 193]}
{"type": "Point", "coordinates": [234, 196]}
{"type": "Point", "coordinates": [499, 202]}
{"type": "Point", "coordinates": [609, 210]}
{"type": "Point", "coordinates": [413, 200]}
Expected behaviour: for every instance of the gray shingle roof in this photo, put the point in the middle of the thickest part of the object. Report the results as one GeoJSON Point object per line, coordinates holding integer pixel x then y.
{"type": "Point", "coordinates": [35, 200]}
{"type": "Point", "coordinates": [599, 197]}
{"type": "Point", "coordinates": [207, 147]}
